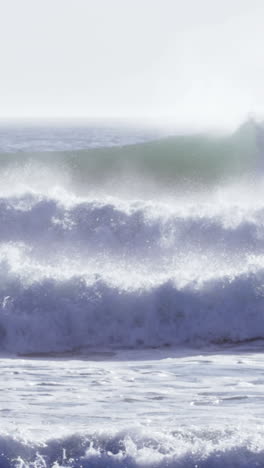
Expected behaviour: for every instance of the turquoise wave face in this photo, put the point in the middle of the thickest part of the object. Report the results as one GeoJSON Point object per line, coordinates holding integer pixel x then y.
{"type": "Point", "coordinates": [189, 159]}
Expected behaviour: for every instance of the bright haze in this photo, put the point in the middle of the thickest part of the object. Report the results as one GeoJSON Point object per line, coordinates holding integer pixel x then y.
{"type": "Point", "coordinates": [192, 63]}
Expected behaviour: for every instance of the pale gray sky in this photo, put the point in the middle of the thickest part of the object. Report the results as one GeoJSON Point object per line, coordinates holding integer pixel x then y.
{"type": "Point", "coordinates": [186, 62]}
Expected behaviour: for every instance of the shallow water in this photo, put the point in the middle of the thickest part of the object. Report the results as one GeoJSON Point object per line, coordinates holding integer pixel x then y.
{"type": "Point", "coordinates": [136, 408]}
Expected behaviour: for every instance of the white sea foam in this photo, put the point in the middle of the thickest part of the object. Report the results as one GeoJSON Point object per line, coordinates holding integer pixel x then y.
{"type": "Point", "coordinates": [134, 409]}
{"type": "Point", "coordinates": [131, 305]}
{"type": "Point", "coordinates": [112, 272]}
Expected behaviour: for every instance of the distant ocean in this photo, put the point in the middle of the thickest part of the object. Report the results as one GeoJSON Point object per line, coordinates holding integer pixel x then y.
{"type": "Point", "coordinates": [131, 298]}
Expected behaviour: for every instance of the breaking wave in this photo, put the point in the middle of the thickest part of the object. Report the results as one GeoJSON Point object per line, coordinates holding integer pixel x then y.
{"type": "Point", "coordinates": [206, 448]}
{"type": "Point", "coordinates": [152, 244]}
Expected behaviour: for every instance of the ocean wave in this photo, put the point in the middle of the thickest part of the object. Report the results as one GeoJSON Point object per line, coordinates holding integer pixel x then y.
{"type": "Point", "coordinates": [131, 228]}
{"type": "Point", "coordinates": [87, 260]}
{"type": "Point", "coordinates": [179, 160]}
{"type": "Point", "coordinates": [55, 314]}
{"type": "Point", "coordinates": [134, 448]}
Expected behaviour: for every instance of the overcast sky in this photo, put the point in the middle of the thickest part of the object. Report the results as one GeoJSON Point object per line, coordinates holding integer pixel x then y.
{"type": "Point", "coordinates": [186, 62]}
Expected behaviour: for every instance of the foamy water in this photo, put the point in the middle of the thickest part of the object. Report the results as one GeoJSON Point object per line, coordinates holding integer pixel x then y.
{"type": "Point", "coordinates": [131, 301]}
{"type": "Point", "coordinates": [135, 408]}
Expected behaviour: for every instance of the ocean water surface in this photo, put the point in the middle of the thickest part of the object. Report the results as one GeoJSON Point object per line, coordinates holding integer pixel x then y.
{"type": "Point", "coordinates": [131, 298]}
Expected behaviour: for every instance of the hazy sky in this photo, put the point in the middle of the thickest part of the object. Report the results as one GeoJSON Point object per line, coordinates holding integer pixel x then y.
{"type": "Point", "coordinates": [187, 62]}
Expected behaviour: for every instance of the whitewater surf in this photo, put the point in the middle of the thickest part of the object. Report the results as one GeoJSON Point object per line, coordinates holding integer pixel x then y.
{"type": "Point", "coordinates": [132, 279]}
